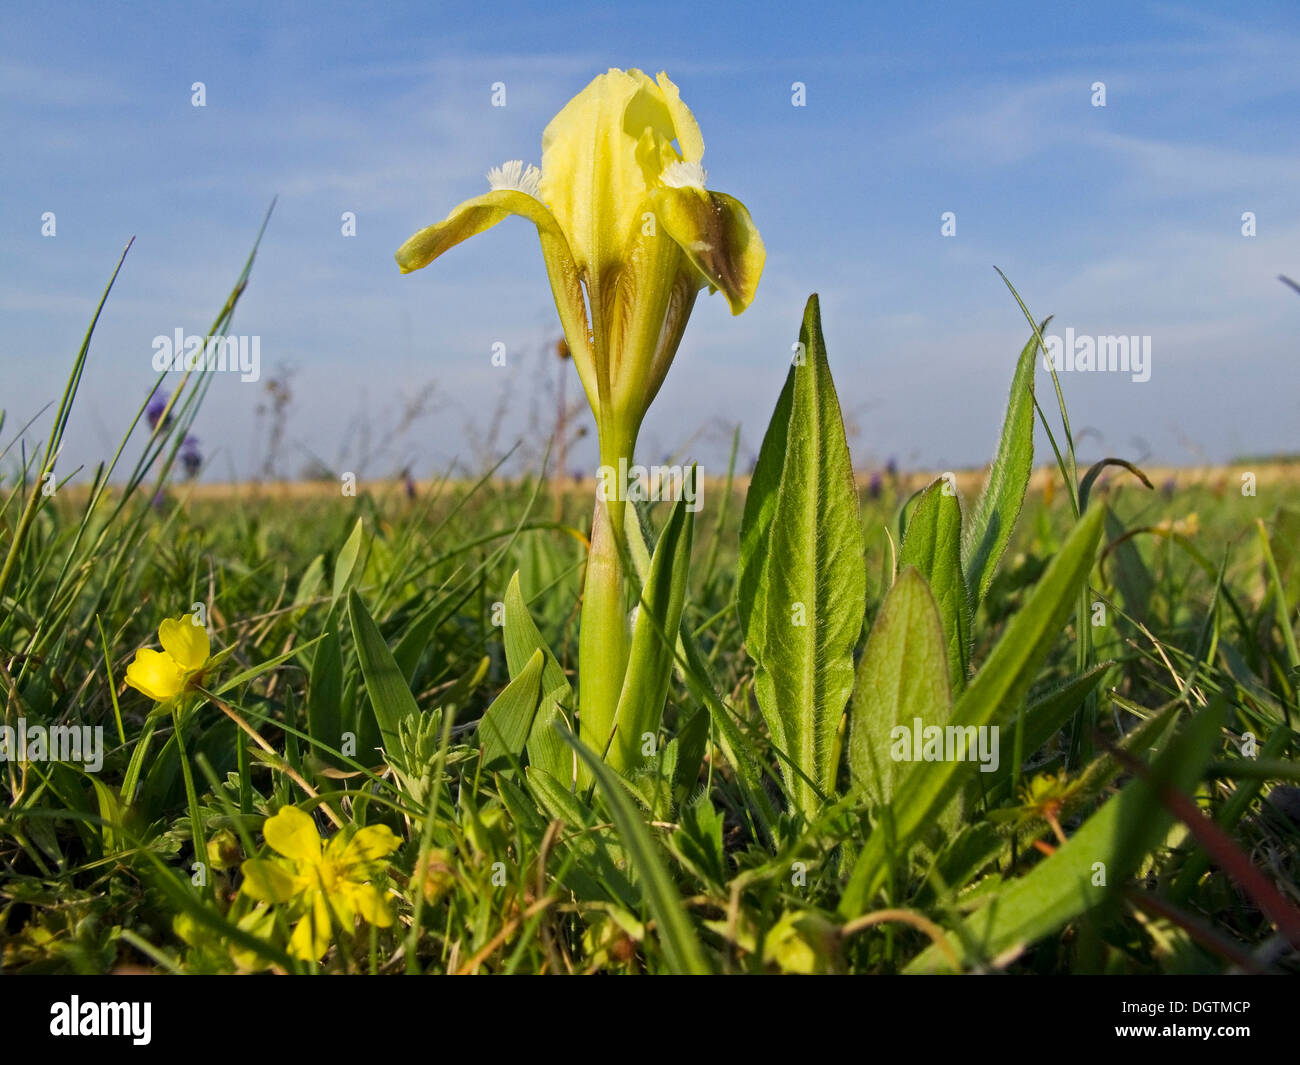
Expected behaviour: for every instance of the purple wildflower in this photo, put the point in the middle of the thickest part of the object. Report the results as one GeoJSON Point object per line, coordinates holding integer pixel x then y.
{"type": "Point", "coordinates": [191, 457]}
{"type": "Point", "coordinates": [154, 411]}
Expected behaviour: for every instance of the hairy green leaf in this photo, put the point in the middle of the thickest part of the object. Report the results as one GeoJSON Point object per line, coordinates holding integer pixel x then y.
{"type": "Point", "coordinates": [933, 546]}
{"type": "Point", "coordinates": [903, 676]}
{"type": "Point", "coordinates": [802, 592]}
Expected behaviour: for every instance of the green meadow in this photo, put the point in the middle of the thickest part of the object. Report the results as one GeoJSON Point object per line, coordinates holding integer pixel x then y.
{"type": "Point", "coordinates": [368, 754]}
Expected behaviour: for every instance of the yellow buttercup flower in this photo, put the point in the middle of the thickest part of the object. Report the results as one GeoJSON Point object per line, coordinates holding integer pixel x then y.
{"type": "Point", "coordinates": [163, 675]}
{"type": "Point", "coordinates": [321, 879]}
{"type": "Point", "coordinates": [622, 209]}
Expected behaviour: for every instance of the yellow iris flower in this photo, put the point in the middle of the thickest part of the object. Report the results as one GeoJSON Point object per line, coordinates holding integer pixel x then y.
{"type": "Point", "coordinates": [163, 675]}
{"type": "Point", "coordinates": [622, 210]}
{"type": "Point", "coordinates": [321, 879]}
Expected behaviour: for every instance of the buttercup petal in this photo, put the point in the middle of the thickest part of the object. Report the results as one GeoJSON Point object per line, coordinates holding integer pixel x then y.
{"type": "Point", "coordinates": [185, 641]}
{"type": "Point", "coordinates": [268, 881]}
{"type": "Point", "coordinates": [369, 902]}
{"type": "Point", "coordinates": [293, 834]}
{"type": "Point", "coordinates": [308, 942]}
{"type": "Point", "coordinates": [368, 845]}
{"type": "Point", "coordinates": [155, 674]}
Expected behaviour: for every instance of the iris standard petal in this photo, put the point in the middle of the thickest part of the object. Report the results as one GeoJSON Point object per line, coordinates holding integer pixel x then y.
{"type": "Point", "coordinates": [687, 130]}
{"type": "Point", "coordinates": [591, 177]}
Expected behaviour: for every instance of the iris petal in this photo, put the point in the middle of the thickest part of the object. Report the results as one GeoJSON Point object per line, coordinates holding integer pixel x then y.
{"type": "Point", "coordinates": [718, 236]}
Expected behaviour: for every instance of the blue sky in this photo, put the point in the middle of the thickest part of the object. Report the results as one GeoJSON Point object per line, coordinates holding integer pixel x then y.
{"type": "Point", "coordinates": [1118, 220]}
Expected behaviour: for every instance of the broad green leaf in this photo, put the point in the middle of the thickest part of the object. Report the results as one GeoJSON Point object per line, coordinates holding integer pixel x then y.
{"type": "Point", "coordinates": [991, 699]}
{"type": "Point", "coordinates": [756, 520]}
{"type": "Point", "coordinates": [802, 594]}
{"type": "Point", "coordinates": [693, 669]}
{"type": "Point", "coordinates": [933, 546]}
{"type": "Point", "coordinates": [522, 639]}
{"type": "Point", "coordinates": [345, 566]}
{"type": "Point", "coordinates": [680, 943]}
{"type": "Point", "coordinates": [546, 750]}
{"type": "Point", "coordinates": [903, 677]}
{"type": "Point", "coordinates": [389, 696]}
{"type": "Point", "coordinates": [1094, 863]}
{"type": "Point", "coordinates": [503, 728]}
{"type": "Point", "coordinates": [654, 638]}
{"type": "Point", "coordinates": [999, 504]}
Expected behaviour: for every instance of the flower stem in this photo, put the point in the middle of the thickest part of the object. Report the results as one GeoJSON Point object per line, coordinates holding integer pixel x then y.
{"type": "Point", "coordinates": [604, 642]}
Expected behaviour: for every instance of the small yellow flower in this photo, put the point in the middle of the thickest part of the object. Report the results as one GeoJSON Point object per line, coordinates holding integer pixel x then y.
{"type": "Point", "coordinates": [321, 879]}
{"type": "Point", "coordinates": [1044, 797]}
{"type": "Point", "coordinates": [163, 675]}
{"type": "Point", "coordinates": [1188, 526]}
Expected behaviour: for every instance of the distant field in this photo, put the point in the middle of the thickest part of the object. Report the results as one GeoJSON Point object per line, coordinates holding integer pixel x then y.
{"type": "Point", "coordinates": [1267, 473]}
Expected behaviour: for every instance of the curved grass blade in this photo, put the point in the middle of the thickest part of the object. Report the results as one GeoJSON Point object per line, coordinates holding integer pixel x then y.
{"type": "Point", "coordinates": [1097, 859]}
{"type": "Point", "coordinates": [680, 943]}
